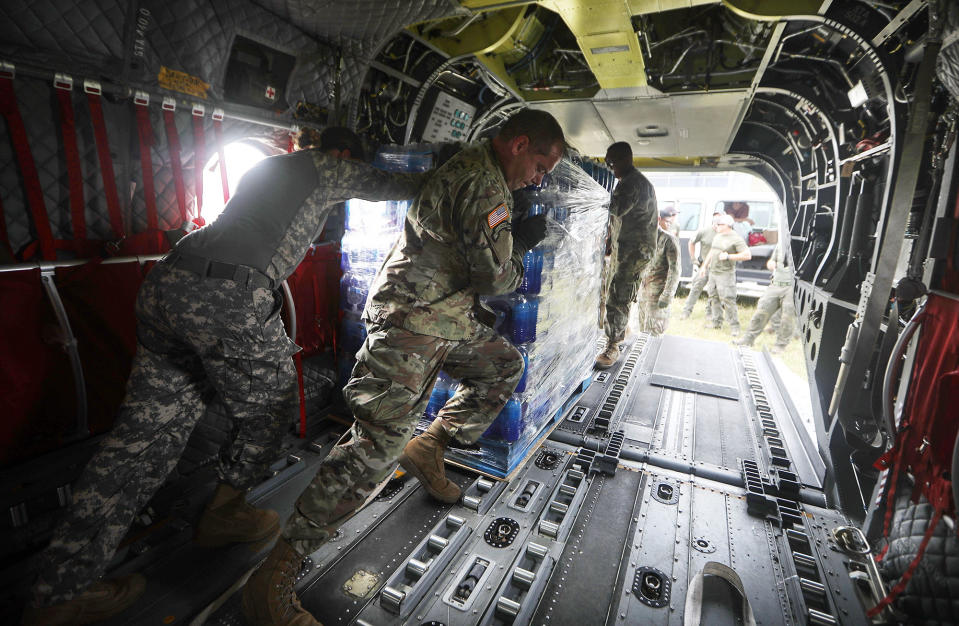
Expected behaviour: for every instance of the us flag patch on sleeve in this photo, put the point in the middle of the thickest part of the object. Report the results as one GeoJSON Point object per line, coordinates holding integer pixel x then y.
{"type": "Point", "coordinates": [497, 216]}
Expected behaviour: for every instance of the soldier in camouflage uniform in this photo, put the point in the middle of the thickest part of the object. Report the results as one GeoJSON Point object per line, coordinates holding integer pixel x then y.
{"type": "Point", "coordinates": [208, 321]}
{"type": "Point", "coordinates": [776, 299]}
{"type": "Point", "coordinates": [633, 219]}
{"type": "Point", "coordinates": [423, 315]}
{"type": "Point", "coordinates": [704, 236]}
{"type": "Point", "coordinates": [661, 278]}
{"type": "Point", "coordinates": [727, 248]}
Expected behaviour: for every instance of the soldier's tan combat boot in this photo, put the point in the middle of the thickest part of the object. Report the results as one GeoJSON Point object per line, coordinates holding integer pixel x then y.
{"type": "Point", "coordinates": [608, 356]}
{"type": "Point", "coordinates": [269, 598]}
{"type": "Point", "coordinates": [423, 458]}
{"type": "Point", "coordinates": [101, 600]}
{"type": "Point", "coordinates": [229, 518]}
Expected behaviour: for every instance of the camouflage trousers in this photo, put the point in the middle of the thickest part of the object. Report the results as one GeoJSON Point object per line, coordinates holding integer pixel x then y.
{"type": "Point", "coordinates": [388, 392]}
{"type": "Point", "coordinates": [696, 287]}
{"type": "Point", "coordinates": [623, 288]}
{"type": "Point", "coordinates": [653, 318]}
{"type": "Point", "coordinates": [775, 299]}
{"type": "Point", "coordinates": [195, 337]}
{"type": "Point", "coordinates": [721, 288]}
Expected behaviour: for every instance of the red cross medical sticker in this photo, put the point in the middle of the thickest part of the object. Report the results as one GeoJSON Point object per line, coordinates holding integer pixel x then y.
{"type": "Point", "coordinates": [498, 215]}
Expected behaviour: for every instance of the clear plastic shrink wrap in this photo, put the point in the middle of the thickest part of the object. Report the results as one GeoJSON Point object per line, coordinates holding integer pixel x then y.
{"type": "Point", "coordinates": [551, 317]}
{"type": "Point", "coordinates": [371, 230]}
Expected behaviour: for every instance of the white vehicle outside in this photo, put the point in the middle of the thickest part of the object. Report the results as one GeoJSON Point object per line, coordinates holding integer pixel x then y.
{"type": "Point", "coordinates": [695, 196]}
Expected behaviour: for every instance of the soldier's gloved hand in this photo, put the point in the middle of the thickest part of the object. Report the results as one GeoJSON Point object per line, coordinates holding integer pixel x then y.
{"type": "Point", "coordinates": [663, 304]}
{"type": "Point", "coordinates": [529, 232]}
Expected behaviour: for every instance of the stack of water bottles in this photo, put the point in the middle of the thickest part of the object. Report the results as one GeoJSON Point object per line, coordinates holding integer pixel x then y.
{"type": "Point", "coordinates": [371, 229]}
{"type": "Point", "coordinates": [550, 318]}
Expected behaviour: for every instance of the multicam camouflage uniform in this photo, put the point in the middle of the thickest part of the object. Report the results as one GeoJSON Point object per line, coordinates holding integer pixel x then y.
{"type": "Point", "coordinates": [198, 336]}
{"type": "Point", "coordinates": [722, 279]}
{"type": "Point", "coordinates": [633, 217]}
{"type": "Point", "coordinates": [776, 299]}
{"type": "Point", "coordinates": [705, 237]}
{"type": "Point", "coordinates": [659, 284]}
{"type": "Point", "coordinates": [423, 316]}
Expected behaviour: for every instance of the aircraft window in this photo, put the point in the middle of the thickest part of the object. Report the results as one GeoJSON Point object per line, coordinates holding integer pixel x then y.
{"type": "Point", "coordinates": [688, 218]}
{"type": "Point", "coordinates": [240, 156]}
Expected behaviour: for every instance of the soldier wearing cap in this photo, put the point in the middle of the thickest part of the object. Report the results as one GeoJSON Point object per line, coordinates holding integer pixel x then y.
{"type": "Point", "coordinates": [208, 324]}
{"type": "Point", "coordinates": [726, 250]}
{"type": "Point", "coordinates": [423, 316]}
{"type": "Point", "coordinates": [661, 277]}
{"type": "Point", "coordinates": [633, 219]}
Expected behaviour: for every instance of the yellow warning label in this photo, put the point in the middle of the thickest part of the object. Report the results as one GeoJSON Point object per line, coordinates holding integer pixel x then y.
{"type": "Point", "coordinates": [182, 82]}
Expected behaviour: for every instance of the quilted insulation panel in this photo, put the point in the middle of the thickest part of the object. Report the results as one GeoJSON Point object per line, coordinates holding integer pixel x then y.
{"type": "Point", "coordinates": [127, 43]}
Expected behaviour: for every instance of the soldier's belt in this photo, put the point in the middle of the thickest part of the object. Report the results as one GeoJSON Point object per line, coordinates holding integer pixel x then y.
{"type": "Point", "coordinates": [241, 274]}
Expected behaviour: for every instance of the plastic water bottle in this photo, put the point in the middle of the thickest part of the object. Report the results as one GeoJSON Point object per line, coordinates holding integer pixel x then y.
{"type": "Point", "coordinates": [522, 321]}
{"type": "Point", "coordinates": [438, 397]}
{"type": "Point", "coordinates": [532, 272]}
{"type": "Point", "coordinates": [511, 420]}
{"type": "Point", "coordinates": [521, 386]}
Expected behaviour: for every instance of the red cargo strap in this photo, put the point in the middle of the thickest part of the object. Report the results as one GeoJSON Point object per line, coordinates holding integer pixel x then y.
{"type": "Point", "coordinates": [92, 90]}
{"type": "Point", "coordinates": [4, 238]}
{"type": "Point", "coordinates": [199, 158]}
{"type": "Point", "coordinates": [173, 144]}
{"type": "Point", "coordinates": [28, 167]}
{"type": "Point", "coordinates": [218, 132]}
{"type": "Point", "coordinates": [63, 86]}
{"type": "Point", "coordinates": [141, 103]}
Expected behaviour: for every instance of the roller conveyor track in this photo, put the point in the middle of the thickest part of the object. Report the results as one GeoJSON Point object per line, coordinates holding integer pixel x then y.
{"type": "Point", "coordinates": [609, 522]}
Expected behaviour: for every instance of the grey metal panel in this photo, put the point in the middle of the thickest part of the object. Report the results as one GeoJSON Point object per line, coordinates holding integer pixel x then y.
{"type": "Point", "coordinates": [698, 124]}
{"type": "Point", "coordinates": [715, 514]}
{"type": "Point", "coordinates": [707, 361]}
{"type": "Point", "coordinates": [582, 124]}
{"type": "Point", "coordinates": [694, 385]}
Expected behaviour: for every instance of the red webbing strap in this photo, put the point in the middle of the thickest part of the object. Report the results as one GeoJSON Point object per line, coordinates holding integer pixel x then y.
{"type": "Point", "coordinates": [141, 102]}
{"type": "Point", "coordinates": [218, 132]}
{"type": "Point", "coordinates": [173, 145]}
{"type": "Point", "coordinates": [63, 86]}
{"type": "Point", "coordinates": [4, 238]}
{"type": "Point", "coordinates": [28, 167]}
{"type": "Point", "coordinates": [900, 586]}
{"type": "Point", "coordinates": [92, 90]}
{"type": "Point", "coordinates": [298, 360]}
{"type": "Point", "coordinates": [199, 157]}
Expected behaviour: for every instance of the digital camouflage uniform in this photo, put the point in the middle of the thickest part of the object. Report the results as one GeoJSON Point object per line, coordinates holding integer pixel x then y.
{"type": "Point", "coordinates": [777, 298]}
{"type": "Point", "coordinates": [659, 284]}
{"type": "Point", "coordinates": [198, 336]}
{"type": "Point", "coordinates": [722, 279]}
{"type": "Point", "coordinates": [633, 217]}
{"type": "Point", "coordinates": [704, 236]}
{"type": "Point", "coordinates": [423, 316]}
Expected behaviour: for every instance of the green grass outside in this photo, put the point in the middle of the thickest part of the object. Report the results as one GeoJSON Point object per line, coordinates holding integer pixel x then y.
{"type": "Point", "coordinates": [695, 326]}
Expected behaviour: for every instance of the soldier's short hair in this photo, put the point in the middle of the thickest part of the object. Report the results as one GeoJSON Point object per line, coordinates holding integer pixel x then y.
{"type": "Point", "coordinates": [341, 138]}
{"type": "Point", "coordinates": [543, 130]}
{"type": "Point", "coordinates": [620, 150]}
